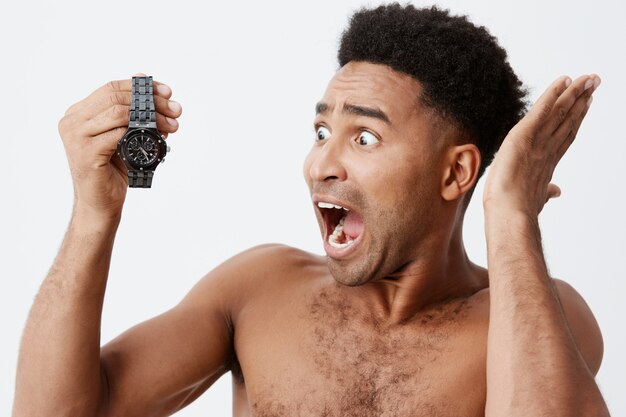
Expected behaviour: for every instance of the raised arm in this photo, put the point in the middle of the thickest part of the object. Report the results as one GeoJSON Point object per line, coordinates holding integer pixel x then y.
{"type": "Point", "coordinates": [544, 346]}
{"type": "Point", "coordinates": [61, 368]}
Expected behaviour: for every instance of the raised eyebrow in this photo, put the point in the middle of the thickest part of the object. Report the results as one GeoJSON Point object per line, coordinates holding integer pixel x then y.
{"type": "Point", "coordinates": [320, 107]}
{"type": "Point", "coordinates": [376, 113]}
{"type": "Point", "coordinates": [367, 112]}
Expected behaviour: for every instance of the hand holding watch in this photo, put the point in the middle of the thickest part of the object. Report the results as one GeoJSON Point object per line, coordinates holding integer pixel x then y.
{"type": "Point", "coordinates": [142, 148]}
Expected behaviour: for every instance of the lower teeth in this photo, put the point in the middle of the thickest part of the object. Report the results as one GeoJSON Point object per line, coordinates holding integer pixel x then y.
{"type": "Point", "coordinates": [333, 239]}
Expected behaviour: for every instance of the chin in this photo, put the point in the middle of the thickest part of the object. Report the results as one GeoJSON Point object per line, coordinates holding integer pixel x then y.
{"type": "Point", "coordinates": [349, 275]}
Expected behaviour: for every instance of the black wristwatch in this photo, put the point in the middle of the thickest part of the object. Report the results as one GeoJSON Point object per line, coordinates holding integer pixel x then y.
{"type": "Point", "coordinates": [142, 148]}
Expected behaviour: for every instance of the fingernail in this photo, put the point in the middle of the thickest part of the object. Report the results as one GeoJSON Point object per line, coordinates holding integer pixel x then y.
{"type": "Point", "coordinates": [596, 83]}
{"type": "Point", "coordinates": [171, 121]}
{"type": "Point", "coordinates": [568, 82]}
{"type": "Point", "coordinates": [163, 89]}
{"type": "Point", "coordinates": [589, 83]}
{"type": "Point", "coordinates": [174, 106]}
{"type": "Point", "coordinates": [589, 101]}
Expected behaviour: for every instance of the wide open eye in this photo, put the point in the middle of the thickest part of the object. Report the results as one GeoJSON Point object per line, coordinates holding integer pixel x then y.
{"type": "Point", "coordinates": [322, 133]}
{"type": "Point", "coordinates": [366, 138]}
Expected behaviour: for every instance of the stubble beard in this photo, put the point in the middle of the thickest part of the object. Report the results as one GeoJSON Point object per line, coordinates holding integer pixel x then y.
{"type": "Point", "coordinates": [390, 246]}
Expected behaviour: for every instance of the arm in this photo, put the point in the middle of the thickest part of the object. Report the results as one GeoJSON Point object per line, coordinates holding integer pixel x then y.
{"type": "Point", "coordinates": [60, 371]}
{"type": "Point", "coordinates": [536, 362]}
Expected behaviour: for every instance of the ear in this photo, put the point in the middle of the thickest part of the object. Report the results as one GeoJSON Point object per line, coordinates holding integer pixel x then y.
{"type": "Point", "coordinates": [460, 169]}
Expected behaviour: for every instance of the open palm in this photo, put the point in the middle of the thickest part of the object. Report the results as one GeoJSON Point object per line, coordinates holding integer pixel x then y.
{"type": "Point", "coordinates": [520, 174]}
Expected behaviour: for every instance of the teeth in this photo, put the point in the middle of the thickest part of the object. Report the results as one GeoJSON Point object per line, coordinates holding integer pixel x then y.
{"type": "Point", "coordinates": [323, 204]}
{"type": "Point", "coordinates": [333, 239]}
{"type": "Point", "coordinates": [333, 242]}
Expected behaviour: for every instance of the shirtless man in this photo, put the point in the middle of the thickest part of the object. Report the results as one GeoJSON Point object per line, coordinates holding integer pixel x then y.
{"type": "Point", "coordinates": [395, 320]}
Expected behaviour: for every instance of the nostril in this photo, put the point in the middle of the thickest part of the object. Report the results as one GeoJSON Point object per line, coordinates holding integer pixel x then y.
{"type": "Point", "coordinates": [327, 166]}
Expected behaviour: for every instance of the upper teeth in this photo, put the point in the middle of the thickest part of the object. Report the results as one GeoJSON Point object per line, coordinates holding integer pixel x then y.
{"type": "Point", "coordinates": [323, 204]}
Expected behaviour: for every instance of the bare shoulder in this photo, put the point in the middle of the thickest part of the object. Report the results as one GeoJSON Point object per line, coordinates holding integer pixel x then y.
{"type": "Point", "coordinates": [582, 324]}
{"type": "Point", "coordinates": [253, 271]}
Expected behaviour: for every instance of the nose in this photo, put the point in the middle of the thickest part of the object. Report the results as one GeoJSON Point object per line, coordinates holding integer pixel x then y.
{"type": "Point", "coordinates": [327, 162]}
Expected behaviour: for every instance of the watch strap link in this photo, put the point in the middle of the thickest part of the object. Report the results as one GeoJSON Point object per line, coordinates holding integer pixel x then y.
{"type": "Point", "coordinates": [142, 110]}
{"type": "Point", "coordinates": [140, 179]}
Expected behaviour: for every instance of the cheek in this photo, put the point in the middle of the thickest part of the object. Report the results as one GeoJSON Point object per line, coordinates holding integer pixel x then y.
{"type": "Point", "coordinates": [401, 191]}
{"type": "Point", "coordinates": [391, 181]}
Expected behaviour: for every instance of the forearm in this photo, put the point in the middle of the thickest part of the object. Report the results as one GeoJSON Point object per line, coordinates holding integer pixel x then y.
{"type": "Point", "coordinates": [533, 364]}
{"type": "Point", "coordinates": [58, 369]}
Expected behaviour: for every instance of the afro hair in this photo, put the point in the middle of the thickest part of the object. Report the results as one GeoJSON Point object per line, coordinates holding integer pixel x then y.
{"type": "Point", "coordinates": [465, 74]}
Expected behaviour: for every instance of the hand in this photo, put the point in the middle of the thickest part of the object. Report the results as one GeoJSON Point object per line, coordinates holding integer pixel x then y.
{"type": "Point", "coordinates": [90, 130]}
{"type": "Point", "coordinates": [520, 174]}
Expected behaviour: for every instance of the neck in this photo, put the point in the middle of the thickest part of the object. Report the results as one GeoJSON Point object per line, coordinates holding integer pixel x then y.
{"type": "Point", "coordinates": [440, 273]}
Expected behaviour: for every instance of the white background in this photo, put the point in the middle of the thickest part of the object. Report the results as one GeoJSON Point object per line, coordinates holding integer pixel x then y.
{"type": "Point", "coordinates": [247, 75]}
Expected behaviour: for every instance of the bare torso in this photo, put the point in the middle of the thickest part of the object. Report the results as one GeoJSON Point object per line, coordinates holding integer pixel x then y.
{"type": "Point", "coordinates": [308, 346]}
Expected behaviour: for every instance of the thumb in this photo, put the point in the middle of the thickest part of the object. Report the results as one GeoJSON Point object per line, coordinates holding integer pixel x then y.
{"type": "Point", "coordinates": [553, 191]}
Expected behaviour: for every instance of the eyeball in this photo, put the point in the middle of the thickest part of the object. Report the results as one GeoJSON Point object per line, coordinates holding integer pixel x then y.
{"type": "Point", "coordinates": [322, 133]}
{"type": "Point", "coordinates": [366, 138]}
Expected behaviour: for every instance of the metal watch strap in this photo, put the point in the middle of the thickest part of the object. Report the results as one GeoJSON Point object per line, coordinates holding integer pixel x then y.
{"type": "Point", "coordinates": [142, 111]}
{"type": "Point", "coordinates": [142, 114]}
{"type": "Point", "coordinates": [140, 179]}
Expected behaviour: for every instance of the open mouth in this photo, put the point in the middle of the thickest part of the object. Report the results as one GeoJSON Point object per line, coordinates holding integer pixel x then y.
{"type": "Point", "coordinates": [343, 226]}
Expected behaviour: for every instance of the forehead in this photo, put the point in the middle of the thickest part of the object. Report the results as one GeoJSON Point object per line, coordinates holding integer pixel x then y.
{"type": "Point", "coordinates": [364, 83]}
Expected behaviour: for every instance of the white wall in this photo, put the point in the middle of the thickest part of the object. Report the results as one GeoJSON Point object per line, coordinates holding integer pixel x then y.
{"type": "Point", "coordinates": [248, 75]}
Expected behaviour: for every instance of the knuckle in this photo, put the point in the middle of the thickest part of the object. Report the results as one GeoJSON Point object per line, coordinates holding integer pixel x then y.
{"type": "Point", "coordinates": [561, 114]}
{"type": "Point", "coordinates": [119, 110]}
{"type": "Point", "coordinates": [70, 109]}
{"type": "Point", "coordinates": [65, 124]}
{"type": "Point", "coordinates": [572, 125]}
{"type": "Point", "coordinates": [113, 85]}
{"type": "Point", "coordinates": [116, 97]}
{"type": "Point", "coordinates": [544, 111]}
{"type": "Point", "coordinates": [61, 125]}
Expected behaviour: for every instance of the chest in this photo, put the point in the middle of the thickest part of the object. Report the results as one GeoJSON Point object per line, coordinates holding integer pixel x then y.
{"type": "Point", "coordinates": [320, 357]}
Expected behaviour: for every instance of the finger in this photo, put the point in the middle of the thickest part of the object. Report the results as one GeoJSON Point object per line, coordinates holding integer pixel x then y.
{"type": "Point", "coordinates": [117, 116]}
{"type": "Point", "coordinates": [553, 191]}
{"type": "Point", "coordinates": [166, 124]}
{"type": "Point", "coordinates": [579, 88]}
{"type": "Point", "coordinates": [540, 111]}
{"type": "Point", "coordinates": [169, 108]}
{"type": "Point", "coordinates": [93, 103]}
{"type": "Point", "coordinates": [566, 133]}
{"type": "Point", "coordinates": [112, 117]}
{"type": "Point", "coordinates": [572, 135]}
{"type": "Point", "coordinates": [159, 88]}
{"type": "Point", "coordinates": [106, 142]}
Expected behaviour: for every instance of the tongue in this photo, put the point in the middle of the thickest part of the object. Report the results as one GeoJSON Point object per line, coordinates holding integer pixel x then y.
{"type": "Point", "coordinates": [353, 225]}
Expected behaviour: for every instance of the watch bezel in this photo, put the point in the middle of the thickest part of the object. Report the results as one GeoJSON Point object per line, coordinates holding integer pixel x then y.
{"type": "Point", "coordinates": [122, 151]}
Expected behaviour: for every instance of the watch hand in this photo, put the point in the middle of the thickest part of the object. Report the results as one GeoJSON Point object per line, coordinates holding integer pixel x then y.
{"type": "Point", "coordinates": [144, 152]}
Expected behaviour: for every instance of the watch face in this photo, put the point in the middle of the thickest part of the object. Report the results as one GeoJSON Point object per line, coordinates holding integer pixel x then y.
{"type": "Point", "coordinates": [141, 149]}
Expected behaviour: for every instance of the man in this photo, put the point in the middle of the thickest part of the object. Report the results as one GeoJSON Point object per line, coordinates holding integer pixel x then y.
{"type": "Point", "coordinates": [395, 320]}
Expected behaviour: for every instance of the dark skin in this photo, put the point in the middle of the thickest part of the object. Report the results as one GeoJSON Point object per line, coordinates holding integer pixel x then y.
{"type": "Point", "coordinates": [397, 327]}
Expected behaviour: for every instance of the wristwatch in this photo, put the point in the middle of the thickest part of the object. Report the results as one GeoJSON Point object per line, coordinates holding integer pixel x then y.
{"type": "Point", "coordinates": [142, 148]}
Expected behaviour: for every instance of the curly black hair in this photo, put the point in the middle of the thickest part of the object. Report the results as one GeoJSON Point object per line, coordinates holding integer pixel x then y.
{"type": "Point", "coordinates": [465, 74]}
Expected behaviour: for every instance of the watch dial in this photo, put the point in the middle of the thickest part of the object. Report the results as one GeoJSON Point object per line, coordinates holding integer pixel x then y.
{"type": "Point", "coordinates": [142, 149]}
